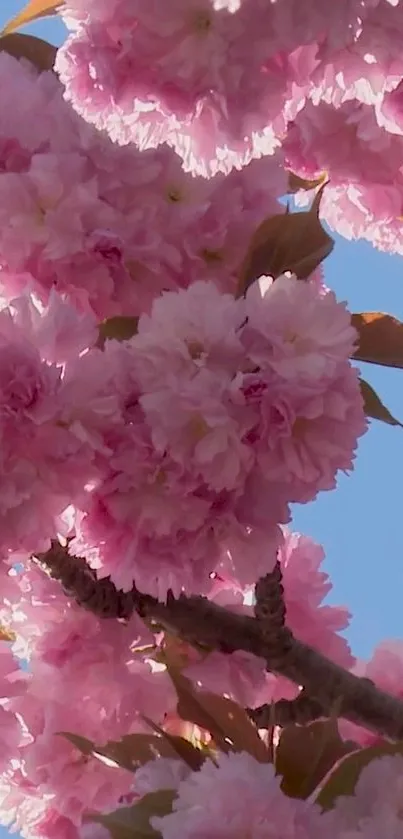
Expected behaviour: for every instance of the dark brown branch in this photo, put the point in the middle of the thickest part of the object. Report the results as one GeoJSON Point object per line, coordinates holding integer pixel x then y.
{"type": "Point", "coordinates": [199, 621]}
{"type": "Point", "coordinates": [270, 613]}
{"type": "Point", "coordinates": [301, 710]}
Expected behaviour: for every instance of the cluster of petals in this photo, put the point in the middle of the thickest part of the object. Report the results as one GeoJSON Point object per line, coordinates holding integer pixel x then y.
{"type": "Point", "coordinates": [325, 89]}
{"type": "Point", "coordinates": [179, 451]}
{"type": "Point", "coordinates": [112, 227]}
{"type": "Point", "coordinates": [183, 73]}
{"type": "Point", "coordinates": [45, 460]}
{"type": "Point", "coordinates": [235, 797]}
{"type": "Point", "coordinates": [73, 655]}
{"type": "Point", "coordinates": [87, 676]}
{"type": "Point", "coordinates": [364, 197]}
{"type": "Point", "coordinates": [375, 809]}
{"type": "Point", "coordinates": [232, 410]}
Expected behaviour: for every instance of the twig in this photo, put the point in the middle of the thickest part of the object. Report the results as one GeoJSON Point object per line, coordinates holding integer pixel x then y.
{"type": "Point", "coordinates": [200, 621]}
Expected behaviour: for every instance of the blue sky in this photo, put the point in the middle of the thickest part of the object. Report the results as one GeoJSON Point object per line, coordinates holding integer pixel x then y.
{"type": "Point", "coordinates": [358, 524]}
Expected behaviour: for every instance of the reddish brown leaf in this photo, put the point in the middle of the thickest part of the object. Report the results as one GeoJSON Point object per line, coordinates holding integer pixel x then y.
{"type": "Point", "coordinates": [129, 753]}
{"type": "Point", "coordinates": [380, 339]}
{"type": "Point", "coordinates": [134, 822]}
{"type": "Point", "coordinates": [192, 710]}
{"type": "Point", "coordinates": [41, 54]}
{"type": "Point", "coordinates": [373, 406]}
{"type": "Point", "coordinates": [6, 634]}
{"type": "Point", "coordinates": [33, 10]}
{"type": "Point", "coordinates": [228, 723]}
{"type": "Point", "coordinates": [293, 242]}
{"type": "Point", "coordinates": [295, 183]}
{"type": "Point", "coordinates": [134, 750]}
{"type": "Point", "coordinates": [345, 776]}
{"type": "Point", "coordinates": [181, 747]}
{"type": "Point", "coordinates": [119, 328]}
{"type": "Point", "coordinates": [306, 754]}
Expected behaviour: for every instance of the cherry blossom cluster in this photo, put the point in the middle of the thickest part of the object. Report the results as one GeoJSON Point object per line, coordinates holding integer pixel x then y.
{"type": "Point", "coordinates": [185, 73]}
{"type": "Point", "coordinates": [233, 409]}
{"type": "Point", "coordinates": [112, 227]}
{"type": "Point", "coordinates": [180, 450]}
{"type": "Point", "coordinates": [324, 87]}
{"type": "Point", "coordinates": [169, 461]}
{"type": "Point", "coordinates": [235, 796]}
{"type": "Point", "coordinates": [72, 656]}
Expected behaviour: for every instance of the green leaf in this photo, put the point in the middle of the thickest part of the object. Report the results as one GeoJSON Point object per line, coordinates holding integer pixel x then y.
{"type": "Point", "coordinates": [182, 748]}
{"type": "Point", "coordinates": [306, 754]}
{"type": "Point", "coordinates": [134, 822]}
{"type": "Point", "coordinates": [380, 339]}
{"type": "Point", "coordinates": [41, 54]}
{"type": "Point", "coordinates": [228, 723]}
{"type": "Point", "coordinates": [345, 776]}
{"type": "Point", "coordinates": [32, 11]}
{"type": "Point", "coordinates": [294, 242]}
{"type": "Point", "coordinates": [373, 406]}
{"type": "Point", "coordinates": [119, 328]}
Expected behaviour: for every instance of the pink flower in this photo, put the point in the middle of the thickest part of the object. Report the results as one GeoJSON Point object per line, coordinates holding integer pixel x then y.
{"type": "Point", "coordinates": [376, 806]}
{"type": "Point", "coordinates": [385, 669]}
{"type": "Point", "coordinates": [55, 825]}
{"type": "Point", "coordinates": [313, 436]}
{"type": "Point", "coordinates": [161, 773]}
{"type": "Point", "coordinates": [305, 587]}
{"type": "Point", "coordinates": [189, 330]}
{"type": "Point", "coordinates": [59, 331]}
{"type": "Point", "coordinates": [169, 71]}
{"type": "Point", "coordinates": [301, 335]}
{"type": "Point", "coordinates": [365, 195]}
{"type": "Point", "coordinates": [236, 797]}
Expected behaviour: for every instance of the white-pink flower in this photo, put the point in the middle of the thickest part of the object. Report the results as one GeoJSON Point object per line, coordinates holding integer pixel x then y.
{"type": "Point", "coordinates": [301, 335]}
{"type": "Point", "coordinates": [237, 797]}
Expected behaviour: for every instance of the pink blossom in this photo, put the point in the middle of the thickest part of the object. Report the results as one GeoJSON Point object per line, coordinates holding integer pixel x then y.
{"type": "Point", "coordinates": [73, 654]}
{"type": "Point", "coordinates": [313, 436]}
{"type": "Point", "coordinates": [385, 669]}
{"type": "Point", "coordinates": [53, 824]}
{"type": "Point", "coordinates": [187, 77]}
{"type": "Point", "coordinates": [365, 195]}
{"type": "Point", "coordinates": [171, 73]}
{"type": "Point", "coordinates": [375, 807]}
{"type": "Point", "coordinates": [161, 773]}
{"type": "Point", "coordinates": [109, 228]}
{"type": "Point", "coordinates": [234, 797]}
{"type": "Point", "coordinates": [300, 335]}
{"type": "Point", "coordinates": [200, 453]}
{"type": "Point", "coordinates": [59, 331]}
{"type": "Point", "coordinates": [305, 587]}
{"type": "Point", "coordinates": [191, 330]}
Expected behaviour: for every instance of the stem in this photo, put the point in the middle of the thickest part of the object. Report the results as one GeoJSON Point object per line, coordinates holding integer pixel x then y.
{"type": "Point", "coordinates": [201, 622]}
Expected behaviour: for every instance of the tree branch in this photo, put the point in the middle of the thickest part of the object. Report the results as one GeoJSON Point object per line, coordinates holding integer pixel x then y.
{"type": "Point", "coordinates": [301, 711]}
{"type": "Point", "coordinates": [270, 614]}
{"type": "Point", "coordinates": [202, 622]}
